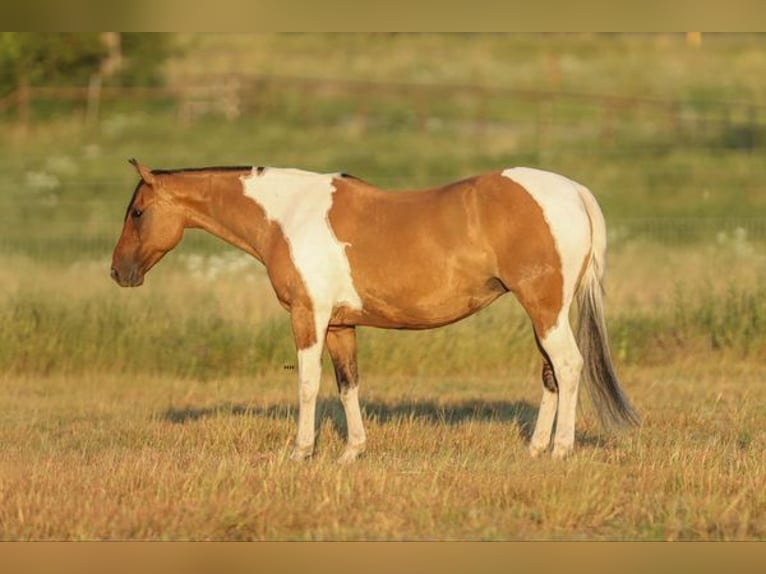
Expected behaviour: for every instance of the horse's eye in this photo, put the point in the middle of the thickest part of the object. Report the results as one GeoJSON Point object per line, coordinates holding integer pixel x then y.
{"type": "Point", "coordinates": [136, 213]}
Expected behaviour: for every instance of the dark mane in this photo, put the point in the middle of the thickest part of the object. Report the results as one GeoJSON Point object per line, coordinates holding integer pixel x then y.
{"type": "Point", "coordinates": [197, 169]}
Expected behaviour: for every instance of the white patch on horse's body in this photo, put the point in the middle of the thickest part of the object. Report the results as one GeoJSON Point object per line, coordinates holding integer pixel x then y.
{"type": "Point", "coordinates": [299, 201]}
{"type": "Point", "coordinates": [562, 205]}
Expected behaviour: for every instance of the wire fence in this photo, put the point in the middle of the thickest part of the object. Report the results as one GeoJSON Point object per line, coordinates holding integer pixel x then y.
{"type": "Point", "coordinates": [542, 115]}
{"type": "Point", "coordinates": [540, 119]}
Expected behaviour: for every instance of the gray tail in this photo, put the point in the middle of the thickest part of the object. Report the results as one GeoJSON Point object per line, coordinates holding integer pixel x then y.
{"type": "Point", "coordinates": [613, 407]}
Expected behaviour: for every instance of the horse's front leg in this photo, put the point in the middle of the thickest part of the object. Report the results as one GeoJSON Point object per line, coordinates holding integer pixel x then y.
{"type": "Point", "coordinates": [341, 344]}
{"type": "Point", "coordinates": [308, 331]}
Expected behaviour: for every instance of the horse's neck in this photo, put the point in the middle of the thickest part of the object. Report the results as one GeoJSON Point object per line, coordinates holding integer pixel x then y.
{"type": "Point", "coordinates": [219, 207]}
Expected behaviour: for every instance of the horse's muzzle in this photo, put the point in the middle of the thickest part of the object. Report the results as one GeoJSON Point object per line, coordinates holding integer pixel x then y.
{"type": "Point", "coordinates": [131, 279]}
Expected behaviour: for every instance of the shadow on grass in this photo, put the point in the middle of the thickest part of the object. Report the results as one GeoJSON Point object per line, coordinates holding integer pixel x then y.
{"type": "Point", "coordinates": [520, 413]}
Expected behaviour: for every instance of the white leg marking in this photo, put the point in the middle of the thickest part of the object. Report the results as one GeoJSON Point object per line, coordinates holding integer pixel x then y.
{"type": "Point", "coordinates": [541, 438]}
{"type": "Point", "coordinates": [309, 375]}
{"type": "Point", "coordinates": [560, 345]}
{"type": "Point", "coordinates": [357, 438]}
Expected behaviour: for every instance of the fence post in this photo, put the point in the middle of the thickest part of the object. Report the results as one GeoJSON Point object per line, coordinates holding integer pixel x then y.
{"type": "Point", "coordinates": [752, 118]}
{"type": "Point", "coordinates": [482, 120]}
{"type": "Point", "coordinates": [23, 104]}
{"type": "Point", "coordinates": [93, 100]}
{"type": "Point", "coordinates": [421, 110]}
{"type": "Point", "coordinates": [674, 118]}
{"type": "Point", "coordinates": [544, 120]}
{"type": "Point", "coordinates": [362, 111]}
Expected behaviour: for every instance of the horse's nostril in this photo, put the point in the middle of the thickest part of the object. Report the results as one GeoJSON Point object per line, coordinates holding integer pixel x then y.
{"type": "Point", "coordinates": [115, 275]}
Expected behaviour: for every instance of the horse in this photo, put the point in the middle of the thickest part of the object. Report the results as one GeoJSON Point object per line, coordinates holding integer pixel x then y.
{"type": "Point", "coordinates": [340, 253]}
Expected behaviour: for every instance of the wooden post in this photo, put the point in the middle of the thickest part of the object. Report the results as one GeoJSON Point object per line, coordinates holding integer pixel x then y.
{"type": "Point", "coordinates": [361, 121]}
{"type": "Point", "coordinates": [674, 118]}
{"type": "Point", "coordinates": [112, 62]}
{"type": "Point", "coordinates": [93, 100]}
{"type": "Point", "coordinates": [482, 119]}
{"type": "Point", "coordinates": [607, 123]}
{"type": "Point", "coordinates": [752, 118]}
{"type": "Point", "coordinates": [421, 110]}
{"type": "Point", "coordinates": [23, 103]}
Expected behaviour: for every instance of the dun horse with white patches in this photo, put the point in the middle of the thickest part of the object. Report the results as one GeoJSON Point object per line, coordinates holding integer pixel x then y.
{"type": "Point", "coordinates": [341, 253]}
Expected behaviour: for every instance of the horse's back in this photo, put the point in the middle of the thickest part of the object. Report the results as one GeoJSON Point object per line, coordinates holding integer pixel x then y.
{"type": "Point", "coordinates": [429, 257]}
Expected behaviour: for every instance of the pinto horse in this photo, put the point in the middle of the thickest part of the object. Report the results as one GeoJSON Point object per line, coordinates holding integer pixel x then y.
{"type": "Point", "coordinates": [341, 253]}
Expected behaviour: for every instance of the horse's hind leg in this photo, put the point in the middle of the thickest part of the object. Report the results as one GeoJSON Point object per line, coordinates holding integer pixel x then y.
{"type": "Point", "coordinates": [560, 348]}
{"type": "Point", "coordinates": [541, 437]}
{"type": "Point", "coordinates": [341, 345]}
{"type": "Point", "coordinates": [562, 363]}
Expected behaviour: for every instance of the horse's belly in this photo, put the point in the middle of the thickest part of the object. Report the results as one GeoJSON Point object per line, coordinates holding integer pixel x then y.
{"type": "Point", "coordinates": [423, 310]}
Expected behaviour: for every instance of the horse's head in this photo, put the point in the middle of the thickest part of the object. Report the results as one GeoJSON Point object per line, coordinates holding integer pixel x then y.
{"type": "Point", "coordinates": [154, 224]}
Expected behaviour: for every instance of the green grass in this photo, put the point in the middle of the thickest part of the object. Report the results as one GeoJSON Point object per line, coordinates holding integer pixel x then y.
{"type": "Point", "coordinates": [206, 317]}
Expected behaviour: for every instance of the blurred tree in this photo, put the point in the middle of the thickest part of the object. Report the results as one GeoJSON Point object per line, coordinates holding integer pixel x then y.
{"type": "Point", "coordinates": [144, 54]}
{"type": "Point", "coordinates": [38, 58]}
{"type": "Point", "coordinates": [73, 58]}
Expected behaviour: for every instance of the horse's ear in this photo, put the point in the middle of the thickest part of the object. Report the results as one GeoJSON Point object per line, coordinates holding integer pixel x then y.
{"type": "Point", "coordinates": [145, 173]}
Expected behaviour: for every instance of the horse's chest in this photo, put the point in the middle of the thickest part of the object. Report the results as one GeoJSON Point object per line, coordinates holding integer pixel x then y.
{"type": "Point", "coordinates": [299, 203]}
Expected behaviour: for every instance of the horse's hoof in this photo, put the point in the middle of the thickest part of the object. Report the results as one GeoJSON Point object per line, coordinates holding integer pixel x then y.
{"type": "Point", "coordinates": [351, 454]}
{"type": "Point", "coordinates": [562, 452]}
{"type": "Point", "coordinates": [535, 450]}
{"type": "Point", "coordinates": [301, 454]}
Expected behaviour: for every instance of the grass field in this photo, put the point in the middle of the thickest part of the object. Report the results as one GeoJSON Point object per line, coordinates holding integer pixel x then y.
{"type": "Point", "coordinates": [168, 412]}
{"type": "Point", "coordinates": [118, 456]}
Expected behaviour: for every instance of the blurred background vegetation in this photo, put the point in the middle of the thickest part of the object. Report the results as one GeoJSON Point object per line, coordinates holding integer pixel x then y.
{"type": "Point", "coordinates": [72, 59]}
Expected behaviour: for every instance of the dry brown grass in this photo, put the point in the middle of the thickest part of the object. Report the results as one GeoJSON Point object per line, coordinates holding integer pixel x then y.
{"type": "Point", "coordinates": [116, 457]}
